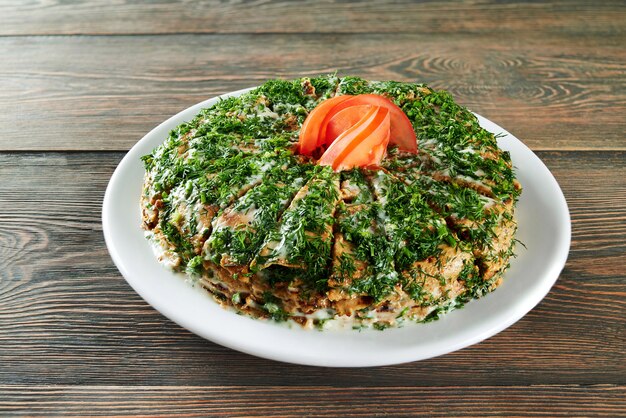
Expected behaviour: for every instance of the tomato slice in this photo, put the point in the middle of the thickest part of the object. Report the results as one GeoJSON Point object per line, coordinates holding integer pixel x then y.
{"type": "Point", "coordinates": [402, 132]}
{"type": "Point", "coordinates": [343, 120]}
{"type": "Point", "coordinates": [370, 152]}
{"type": "Point", "coordinates": [356, 131]}
{"type": "Point", "coordinates": [358, 146]}
{"type": "Point", "coordinates": [340, 146]}
{"type": "Point", "coordinates": [309, 138]}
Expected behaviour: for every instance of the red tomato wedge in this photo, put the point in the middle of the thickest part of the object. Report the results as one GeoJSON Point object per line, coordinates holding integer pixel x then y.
{"type": "Point", "coordinates": [310, 138]}
{"type": "Point", "coordinates": [340, 146]}
{"type": "Point", "coordinates": [353, 131]}
{"type": "Point", "coordinates": [377, 153]}
{"type": "Point", "coordinates": [359, 145]}
{"type": "Point", "coordinates": [371, 151]}
{"type": "Point", "coordinates": [402, 133]}
{"type": "Point", "coordinates": [343, 120]}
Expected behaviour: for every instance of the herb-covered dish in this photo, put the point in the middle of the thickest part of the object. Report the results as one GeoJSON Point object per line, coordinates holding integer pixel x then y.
{"type": "Point", "coordinates": [274, 227]}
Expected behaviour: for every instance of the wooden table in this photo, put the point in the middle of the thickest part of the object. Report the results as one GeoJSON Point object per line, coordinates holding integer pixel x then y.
{"type": "Point", "coordinates": [80, 83]}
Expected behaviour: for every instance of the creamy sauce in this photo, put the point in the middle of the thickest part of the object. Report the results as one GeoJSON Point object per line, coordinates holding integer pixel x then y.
{"type": "Point", "coordinates": [266, 113]}
{"type": "Point", "coordinates": [472, 181]}
{"type": "Point", "coordinates": [467, 151]}
{"type": "Point", "coordinates": [166, 257]}
{"type": "Point", "coordinates": [241, 218]}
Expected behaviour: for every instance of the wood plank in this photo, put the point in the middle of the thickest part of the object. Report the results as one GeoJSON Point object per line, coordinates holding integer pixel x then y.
{"type": "Point", "coordinates": [67, 316]}
{"type": "Point", "coordinates": [105, 93]}
{"type": "Point", "coordinates": [470, 16]}
{"type": "Point", "coordinates": [319, 401]}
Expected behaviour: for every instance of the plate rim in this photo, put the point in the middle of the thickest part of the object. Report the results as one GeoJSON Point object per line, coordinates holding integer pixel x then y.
{"type": "Point", "coordinates": [514, 313]}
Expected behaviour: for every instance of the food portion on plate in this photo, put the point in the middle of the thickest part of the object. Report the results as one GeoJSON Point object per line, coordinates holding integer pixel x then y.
{"type": "Point", "coordinates": [334, 201]}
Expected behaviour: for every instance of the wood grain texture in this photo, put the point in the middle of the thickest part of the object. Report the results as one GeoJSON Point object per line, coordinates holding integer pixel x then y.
{"type": "Point", "coordinates": [318, 401]}
{"type": "Point", "coordinates": [105, 93]}
{"type": "Point", "coordinates": [81, 82]}
{"type": "Point", "coordinates": [67, 317]}
{"type": "Point", "coordinates": [261, 16]}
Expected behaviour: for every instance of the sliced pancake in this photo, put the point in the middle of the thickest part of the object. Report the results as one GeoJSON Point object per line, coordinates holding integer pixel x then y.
{"type": "Point", "coordinates": [263, 119]}
{"type": "Point", "coordinates": [489, 173]}
{"type": "Point", "coordinates": [362, 256]}
{"type": "Point", "coordinates": [288, 102]}
{"type": "Point", "coordinates": [485, 225]}
{"type": "Point", "coordinates": [240, 230]}
{"type": "Point", "coordinates": [250, 293]}
{"type": "Point", "coordinates": [430, 263]}
{"type": "Point", "coordinates": [299, 247]}
{"type": "Point", "coordinates": [186, 211]}
{"type": "Point", "coordinates": [458, 149]}
{"type": "Point", "coordinates": [399, 92]}
{"type": "Point", "coordinates": [413, 227]}
{"type": "Point", "coordinates": [247, 119]}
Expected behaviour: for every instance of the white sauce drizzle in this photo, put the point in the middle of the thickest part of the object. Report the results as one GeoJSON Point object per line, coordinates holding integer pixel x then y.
{"type": "Point", "coordinates": [266, 113]}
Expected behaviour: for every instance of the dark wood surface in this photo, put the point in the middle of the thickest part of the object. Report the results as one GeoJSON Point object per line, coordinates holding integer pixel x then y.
{"type": "Point", "coordinates": [81, 82]}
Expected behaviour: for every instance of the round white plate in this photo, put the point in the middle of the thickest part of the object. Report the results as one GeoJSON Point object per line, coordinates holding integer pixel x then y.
{"type": "Point", "coordinates": [544, 228]}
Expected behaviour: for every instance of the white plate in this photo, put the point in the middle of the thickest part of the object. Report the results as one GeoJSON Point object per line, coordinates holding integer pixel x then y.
{"type": "Point", "coordinates": [544, 227]}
